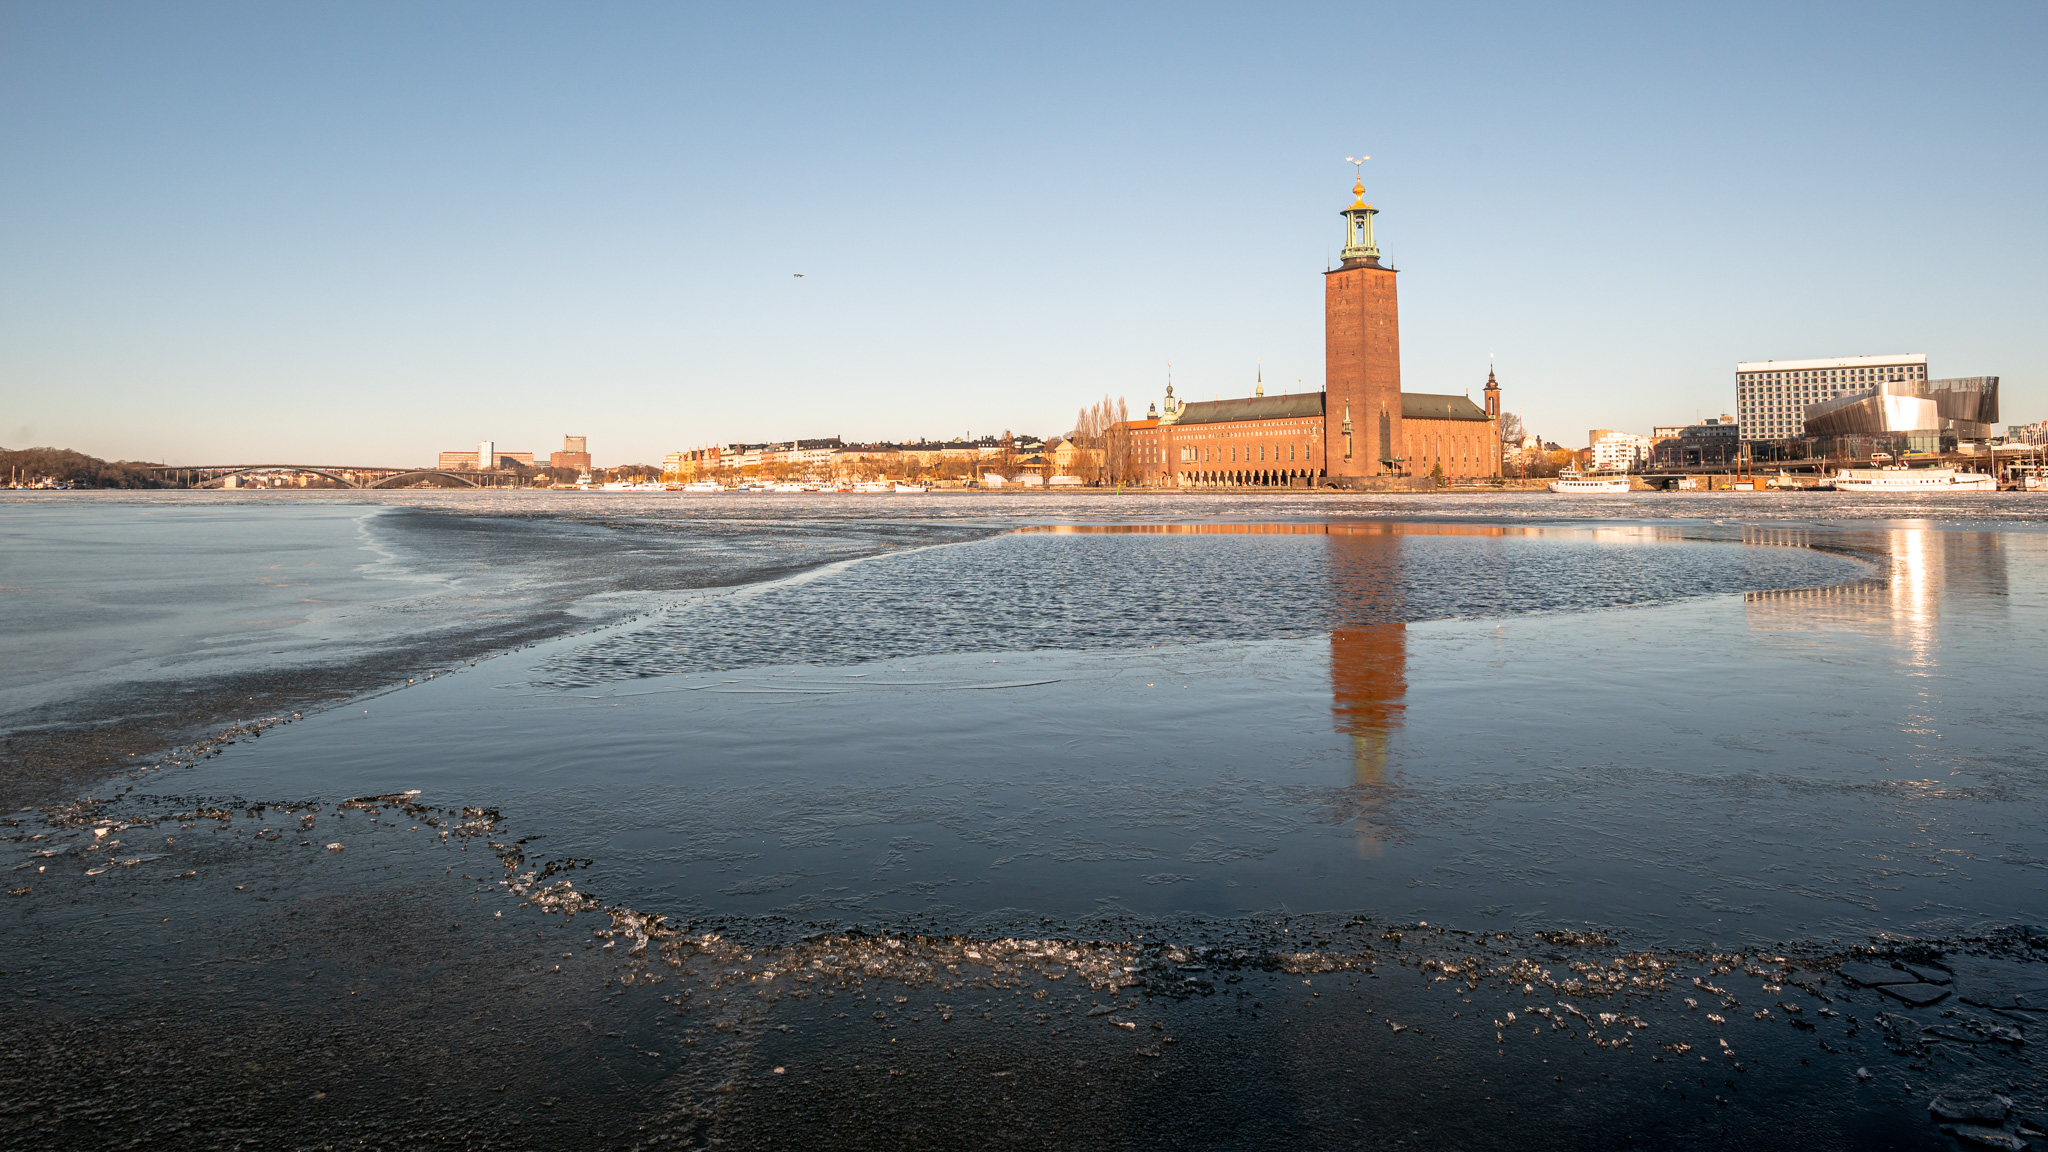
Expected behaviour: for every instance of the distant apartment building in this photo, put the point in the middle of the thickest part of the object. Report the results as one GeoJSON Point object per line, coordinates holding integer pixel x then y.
{"type": "Point", "coordinates": [1617, 451]}
{"type": "Point", "coordinates": [485, 456]}
{"type": "Point", "coordinates": [1702, 443]}
{"type": "Point", "coordinates": [575, 453]}
{"type": "Point", "coordinates": [802, 457]}
{"type": "Point", "coordinates": [1771, 396]}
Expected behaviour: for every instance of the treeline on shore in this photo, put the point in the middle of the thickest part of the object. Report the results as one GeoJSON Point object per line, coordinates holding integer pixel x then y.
{"type": "Point", "coordinates": [63, 466]}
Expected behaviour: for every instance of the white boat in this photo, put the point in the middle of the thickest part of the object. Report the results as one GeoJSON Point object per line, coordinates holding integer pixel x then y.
{"type": "Point", "coordinates": [1903, 479]}
{"type": "Point", "coordinates": [704, 486]}
{"type": "Point", "coordinates": [1573, 484]}
{"type": "Point", "coordinates": [909, 490]}
{"type": "Point", "coordinates": [872, 486]}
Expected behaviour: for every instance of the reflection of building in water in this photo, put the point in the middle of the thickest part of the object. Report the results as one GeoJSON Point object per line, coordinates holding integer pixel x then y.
{"type": "Point", "coordinates": [1368, 657]}
{"type": "Point", "coordinates": [1368, 684]}
{"type": "Point", "coordinates": [1922, 565]}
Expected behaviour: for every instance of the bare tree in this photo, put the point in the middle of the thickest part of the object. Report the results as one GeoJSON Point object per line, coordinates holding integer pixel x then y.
{"type": "Point", "coordinates": [1088, 433]}
{"type": "Point", "coordinates": [1102, 442]}
{"type": "Point", "coordinates": [1510, 428]}
{"type": "Point", "coordinates": [1117, 456]}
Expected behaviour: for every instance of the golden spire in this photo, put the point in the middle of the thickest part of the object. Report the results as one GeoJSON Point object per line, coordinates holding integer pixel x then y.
{"type": "Point", "coordinates": [1358, 190]}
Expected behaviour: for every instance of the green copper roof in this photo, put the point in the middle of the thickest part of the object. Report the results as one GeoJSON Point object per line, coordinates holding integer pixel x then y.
{"type": "Point", "coordinates": [1251, 408]}
{"type": "Point", "coordinates": [1430, 406]}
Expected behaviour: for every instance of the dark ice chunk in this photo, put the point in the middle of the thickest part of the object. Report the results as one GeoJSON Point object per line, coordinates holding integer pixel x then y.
{"type": "Point", "coordinates": [1977, 1137]}
{"type": "Point", "coordinates": [1876, 975]}
{"type": "Point", "coordinates": [1973, 1108]}
{"type": "Point", "coordinates": [1917, 995]}
{"type": "Point", "coordinates": [1956, 1034]}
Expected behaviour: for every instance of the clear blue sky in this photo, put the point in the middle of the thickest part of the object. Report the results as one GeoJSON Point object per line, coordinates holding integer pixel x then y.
{"type": "Point", "coordinates": [360, 233]}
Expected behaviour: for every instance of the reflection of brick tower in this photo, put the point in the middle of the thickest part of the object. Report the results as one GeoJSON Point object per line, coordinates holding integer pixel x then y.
{"type": "Point", "coordinates": [1361, 356]}
{"type": "Point", "coordinates": [1368, 660]}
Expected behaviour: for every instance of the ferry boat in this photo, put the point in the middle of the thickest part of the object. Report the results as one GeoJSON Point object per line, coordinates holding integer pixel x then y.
{"type": "Point", "coordinates": [1573, 483]}
{"type": "Point", "coordinates": [704, 486]}
{"type": "Point", "coordinates": [909, 490]}
{"type": "Point", "coordinates": [873, 486]}
{"type": "Point", "coordinates": [1900, 478]}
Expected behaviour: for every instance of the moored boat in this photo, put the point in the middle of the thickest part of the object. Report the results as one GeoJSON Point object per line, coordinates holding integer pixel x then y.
{"type": "Point", "coordinates": [1900, 478]}
{"type": "Point", "coordinates": [1573, 483]}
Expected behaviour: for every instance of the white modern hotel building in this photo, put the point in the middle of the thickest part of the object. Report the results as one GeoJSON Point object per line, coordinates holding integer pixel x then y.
{"type": "Point", "coordinates": [1771, 395]}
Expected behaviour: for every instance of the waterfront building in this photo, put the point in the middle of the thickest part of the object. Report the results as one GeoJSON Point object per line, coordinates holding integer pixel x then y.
{"type": "Point", "coordinates": [486, 456]}
{"type": "Point", "coordinates": [1771, 396]}
{"type": "Point", "coordinates": [1617, 451]}
{"type": "Point", "coordinates": [1705, 442]}
{"type": "Point", "coordinates": [1935, 411]}
{"type": "Point", "coordinates": [575, 454]}
{"type": "Point", "coordinates": [1967, 405]}
{"type": "Point", "coordinates": [1361, 430]}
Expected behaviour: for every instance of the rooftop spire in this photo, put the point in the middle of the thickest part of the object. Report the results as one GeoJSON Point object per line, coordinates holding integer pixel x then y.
{"type": "Point", "coordinates": [1359, 249]}
{"type": "Point", "coordinates": [1260, 389]}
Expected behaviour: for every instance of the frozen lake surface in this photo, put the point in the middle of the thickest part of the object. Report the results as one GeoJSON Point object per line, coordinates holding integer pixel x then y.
{"type": "Point", "coordinates": [890, 815]}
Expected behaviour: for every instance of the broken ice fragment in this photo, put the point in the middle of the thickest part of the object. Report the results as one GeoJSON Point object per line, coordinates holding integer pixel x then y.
{"type": "Point", "coordinates": [1985, 1108]}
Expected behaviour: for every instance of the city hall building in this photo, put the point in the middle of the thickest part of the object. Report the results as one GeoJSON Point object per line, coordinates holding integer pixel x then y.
{"type": "Point", "coordinates": [1360, 431]}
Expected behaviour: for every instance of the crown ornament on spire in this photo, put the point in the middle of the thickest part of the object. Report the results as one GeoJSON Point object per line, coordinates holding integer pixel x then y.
{"type": "Point", "coordinates": [1359, 249]}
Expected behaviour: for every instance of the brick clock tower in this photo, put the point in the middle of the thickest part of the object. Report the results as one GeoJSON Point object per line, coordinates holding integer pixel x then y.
{"type": "Point", "coordinates": [1361, 357]}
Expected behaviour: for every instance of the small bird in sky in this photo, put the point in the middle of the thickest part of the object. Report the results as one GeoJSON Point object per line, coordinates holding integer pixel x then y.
{"type": "Point", "coordinates": [798, 275]}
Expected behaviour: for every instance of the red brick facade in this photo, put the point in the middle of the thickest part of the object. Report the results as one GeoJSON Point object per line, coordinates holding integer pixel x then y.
{"type": "Point", "coordinates": [1361, 373]}
{"type": "Point", "coordinates": [1279, 450]}
{"type": "Point", "coordinates": [1465, 449]}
